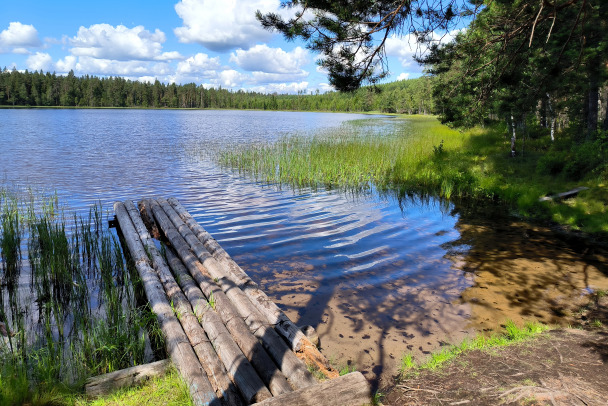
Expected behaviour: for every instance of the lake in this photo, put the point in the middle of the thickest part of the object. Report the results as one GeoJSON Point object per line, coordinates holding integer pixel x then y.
{"type": "Point", "coordinates": [376, 275]}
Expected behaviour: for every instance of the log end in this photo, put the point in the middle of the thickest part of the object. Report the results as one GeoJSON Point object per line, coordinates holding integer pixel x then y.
{"type": "Point", "coordinates": [311, 333]}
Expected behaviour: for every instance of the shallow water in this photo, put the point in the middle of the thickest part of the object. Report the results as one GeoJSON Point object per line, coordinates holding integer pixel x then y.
{"type": "Point", "coordinates": [377, 276]}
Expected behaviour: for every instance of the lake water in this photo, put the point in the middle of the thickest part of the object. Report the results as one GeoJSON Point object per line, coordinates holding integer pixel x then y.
{"type": "Point", "coordinates": [377, 276]}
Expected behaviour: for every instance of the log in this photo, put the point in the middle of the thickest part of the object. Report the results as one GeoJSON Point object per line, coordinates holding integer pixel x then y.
{"type": "Point", "coordinates": [239, 368]}
{"type": "Point", "coordinates": [311, 334]}
{"type": "Point", "coordinates": [275, 316]}
{"type": "Point", "coordinates": [347, 390]}
{"type": "Point", "coordinates": [216, 372]}
{"type": "Point", "coordinates": [294, 336]}
{"type": "Point", "coordinates": [146, 215]}
{"type": "Point", "coordinates": [295, 370]}
{"type": "Point", "coordinates": [253, 350]}
{"type": "Point", "coordinates": [178, 346]}
{"type": "Point", "coordinates": [105, 384]}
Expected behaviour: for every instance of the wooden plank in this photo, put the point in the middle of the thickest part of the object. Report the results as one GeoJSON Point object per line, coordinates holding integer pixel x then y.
{"type": "Point", "coordinates": [563, 195]}
{"type": "Point", "coordinates": [253, 350]}
{"type": "Point", "coordinates": [107, 383]}
{"type": "Point", "coordinates": [294, 336]}
{"type": "Point", "coordinates": [348, 390]}
{"type": "Point", "coordinates": [295, 370]}
{"type": "Point", "coordinates": [242, 372]}
{"type": "Point", "coordinates": [216, 372]}
{"type": "Point", "coordinates": [178, 346]}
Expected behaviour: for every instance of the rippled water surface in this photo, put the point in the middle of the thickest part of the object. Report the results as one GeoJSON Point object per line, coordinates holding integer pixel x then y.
{"type": "Point", "coordinates": [377, 276]}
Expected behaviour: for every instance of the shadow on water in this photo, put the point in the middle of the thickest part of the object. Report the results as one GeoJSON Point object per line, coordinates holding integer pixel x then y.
{"type": "Point", "coordinates": [469, 274]}
{"type": "Point", "coordinates": [525, 270]}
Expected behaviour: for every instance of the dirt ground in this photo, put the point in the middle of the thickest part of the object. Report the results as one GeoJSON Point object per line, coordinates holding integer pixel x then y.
{"type": "Point", "coordinates": [560, 367]}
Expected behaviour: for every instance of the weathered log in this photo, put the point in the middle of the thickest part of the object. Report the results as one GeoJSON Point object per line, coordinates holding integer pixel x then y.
{"type": "Point", "coordinates": [107, 383]}
{"type": "Point", "coordinates": [216, 372]}
{"type": "Point", "coordinates": [239, 368]}
{"type": "Point", "coordinates": [148, 219]}
{"type": "Point", "coordinates": [311, 334]}
{"type": "Point", "coordinates": [295, 370]}
{"type": "Point", "coordinates": [348, 390]}
{"type": "Point", "coordinates": [283, 324]}
{"type": "Point", "coordinates": [253, 350]}
{"type": "Point", "coordinates": [265, 305]}
{"type": "Point", "coordinates": [177, 343]}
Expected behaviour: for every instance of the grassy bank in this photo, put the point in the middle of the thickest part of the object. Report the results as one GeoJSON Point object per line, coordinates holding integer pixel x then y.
{"type": "Point", "coordinates": [422, 156]}
{"type": "Point", "coordinates": [70, 306]}
{"type": "Point", "coordinates": [511, 334]}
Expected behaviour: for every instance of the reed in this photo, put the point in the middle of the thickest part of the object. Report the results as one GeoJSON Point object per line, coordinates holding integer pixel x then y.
{"type": "Point", "coordinates": [419, 155]}
{"type": "Point", "coordinates": [68, 299]}
{"type": "Point", "coordinates": [354, 156]}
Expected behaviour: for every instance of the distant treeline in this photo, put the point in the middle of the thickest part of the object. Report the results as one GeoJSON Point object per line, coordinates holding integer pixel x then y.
{"type": "Point", "coordinates": [49, 89]}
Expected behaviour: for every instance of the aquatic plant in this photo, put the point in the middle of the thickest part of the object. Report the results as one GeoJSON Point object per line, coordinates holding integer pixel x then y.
{"type": "Point", "coordinates": [419, 155]}
{"type": "Point", "coordinates": [73, 309]}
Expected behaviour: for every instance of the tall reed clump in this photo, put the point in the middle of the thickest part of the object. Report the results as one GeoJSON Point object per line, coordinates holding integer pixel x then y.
{"type": "Point", "coordinates": [355, 156]}
{"type": "Point", "coordinates": [420, 155]}
{"type": "Point", "coordinates": [72, 311]}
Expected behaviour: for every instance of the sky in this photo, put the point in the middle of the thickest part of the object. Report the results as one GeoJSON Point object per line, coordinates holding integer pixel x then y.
{"type": "Point", "coordinates": [210, 42]}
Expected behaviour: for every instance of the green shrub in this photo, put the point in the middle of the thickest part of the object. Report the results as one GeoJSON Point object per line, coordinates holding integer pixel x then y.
{"type": "Point", "coordinates": [584, 159]}
{"type": "Point", "coordinates": [552, 163]}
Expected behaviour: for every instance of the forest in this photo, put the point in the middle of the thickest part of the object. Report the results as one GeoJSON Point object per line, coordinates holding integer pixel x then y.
{"type": "Point", "coordinates": [39, 89]}
{"type": "Point", "coordinates": [537, 66]}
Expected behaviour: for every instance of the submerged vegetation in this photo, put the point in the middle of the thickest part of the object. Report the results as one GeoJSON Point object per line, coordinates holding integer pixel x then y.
{"type": "Point", "coordinates": [70, 306]}
{"type": "Point", "coordinates": [422, 156]}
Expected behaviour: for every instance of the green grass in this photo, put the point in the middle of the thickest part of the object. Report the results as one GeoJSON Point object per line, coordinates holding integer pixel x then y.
{"type": "Point", "coordinates": [169, 389]}
{"type": "Point", "coordinates": [347, 369]}
{"type": "Point", "coordinates": [422, 156]}
{"type": "Point", "coordinates": [511, 334]}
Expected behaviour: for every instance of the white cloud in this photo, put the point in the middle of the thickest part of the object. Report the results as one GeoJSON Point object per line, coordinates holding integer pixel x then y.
{"type": "Point", "coordinates": [263, 77]}
{"type": "Point", "coordinates": [221, 25]}
{"type": "Point", "coordinates": [109, 67]}
{"type": "Point", "coordinates": [262, 58]}
{"type": "Point", "coordinates": [280, 87]}
{"type": "Point", "coordinates": [103, 41]}
{"type": "Point", "coordinates": [325, 87]}
{"type": "Point", "coordinates": [40, 61]}
{"type": "Point", "coordinates": [230, 78]}
{"type": "Point", "coordinates": [22, 51]}
{"type": "Point", "coordinates": [198, 63]}
{"type": "Point", "coordinates": [404, 48]}
{"type": "Point", "coordinates": [147, 79]}
{"type": "Point", "coordinates": [403, 76]}
{"type": "Point", "coordinates": [19, 36]}
{"type": "Point", "coordinates": [170, 56]}
{"type": "Point", "coordinates": [196, 69]}
{"type": "Point", "coordinates": [66, 65]}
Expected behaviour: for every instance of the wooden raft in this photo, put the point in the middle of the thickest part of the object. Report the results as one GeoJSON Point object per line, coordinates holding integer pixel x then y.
{"type": "Point", "coordinates": [227, 339]}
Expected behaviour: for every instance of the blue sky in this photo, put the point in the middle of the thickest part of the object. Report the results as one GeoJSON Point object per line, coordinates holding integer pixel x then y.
{"type": "Point", "coordinates": [210, 42]}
